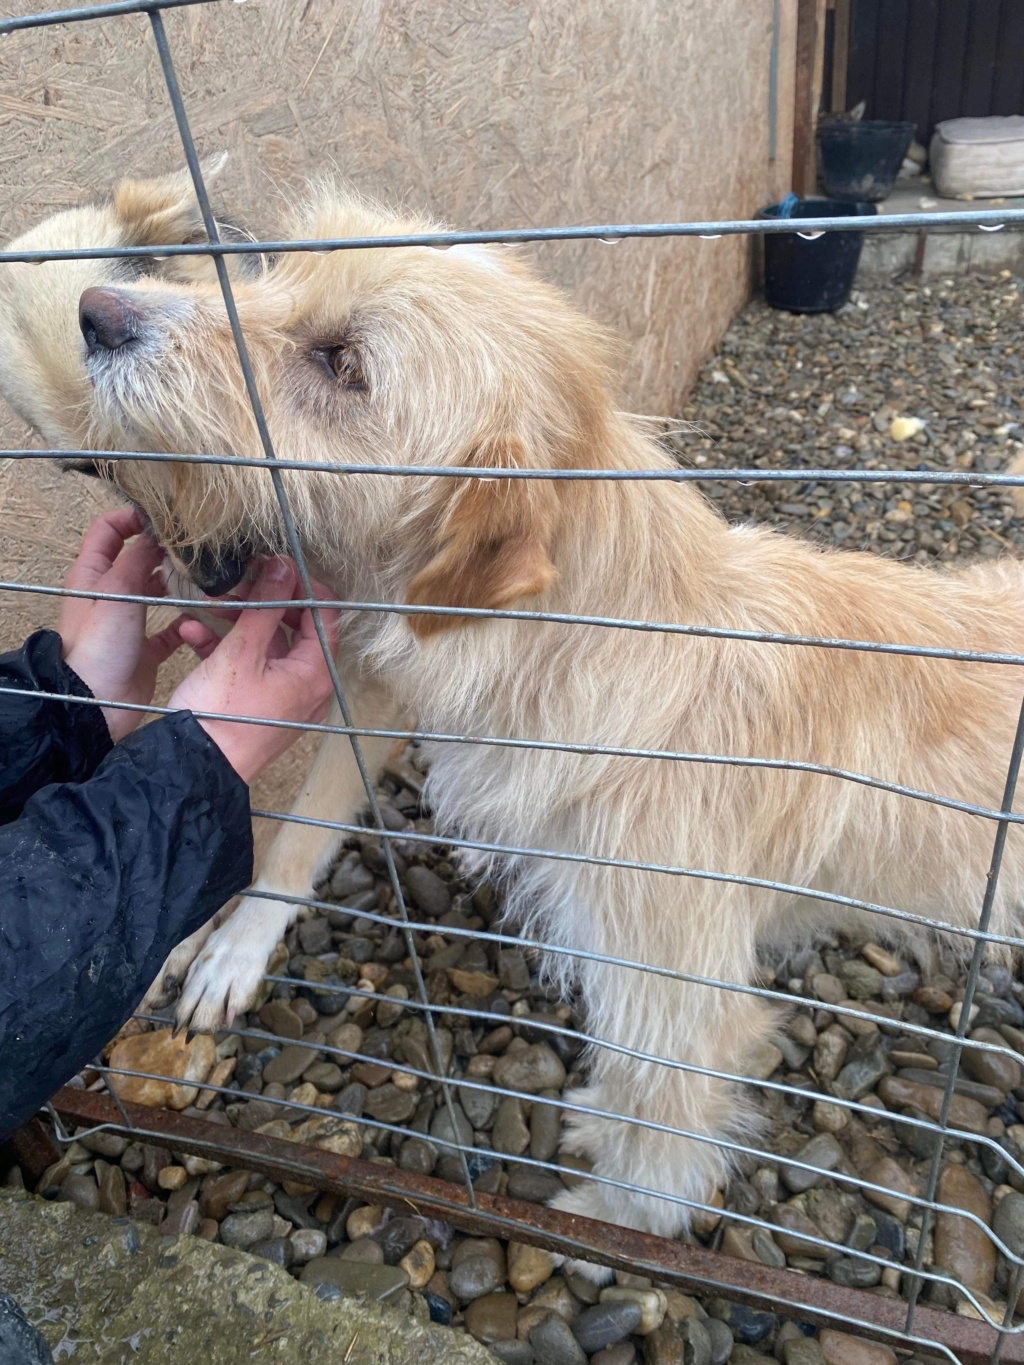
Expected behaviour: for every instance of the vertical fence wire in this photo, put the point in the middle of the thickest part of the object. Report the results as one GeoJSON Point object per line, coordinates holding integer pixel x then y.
{"type": "Point", "coordinates": [974, 970]}
{"type": "Point", "coordinates": [295, 547]}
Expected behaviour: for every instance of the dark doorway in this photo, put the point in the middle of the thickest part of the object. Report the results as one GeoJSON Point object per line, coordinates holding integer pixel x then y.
{"type": "Point", "coordinates": [926, 60]}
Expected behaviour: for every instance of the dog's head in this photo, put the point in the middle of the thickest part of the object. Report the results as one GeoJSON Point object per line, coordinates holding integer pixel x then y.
{"type": "Point", "coordinates": [373, 356]}
{"type": "Point", "coordinates": [42, 353]}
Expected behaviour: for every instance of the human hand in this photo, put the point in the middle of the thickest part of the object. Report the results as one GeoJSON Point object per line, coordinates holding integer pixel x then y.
{"type": "Point", "coordinates": [105, 643]}
{"type": "Point", "coordinates": [255, 671]}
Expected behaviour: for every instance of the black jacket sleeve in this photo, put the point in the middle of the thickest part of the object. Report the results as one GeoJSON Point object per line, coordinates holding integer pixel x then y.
{"type": "Point", "coordinates": [42, 740]}
{"type": "Point", "coordinates": [98, 882]}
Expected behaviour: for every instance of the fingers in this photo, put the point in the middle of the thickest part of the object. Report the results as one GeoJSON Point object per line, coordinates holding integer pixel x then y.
{"type": "Point", "coordinates": [101, 545]}
{"type": "Point", "coordinates": [164, 643]}
{"type": "Point", "coordinates": [135, 567]}
{"type": "Point", "coordinates": [199, 638]}
{"type": "Point", "coordinates": [330, 617]}
{"type": "Point", "coordinates": [256, 630]}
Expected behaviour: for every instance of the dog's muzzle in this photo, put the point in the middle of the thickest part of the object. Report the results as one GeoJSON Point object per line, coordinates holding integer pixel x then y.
{"type": "Point", "coordinates": [215, 570]}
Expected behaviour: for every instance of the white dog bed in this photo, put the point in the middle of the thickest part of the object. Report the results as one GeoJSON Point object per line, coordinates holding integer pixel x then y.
{"type": "Point", "coordinates": [978, 158]}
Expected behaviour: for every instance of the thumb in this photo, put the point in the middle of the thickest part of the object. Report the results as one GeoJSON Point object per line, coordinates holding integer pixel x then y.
{"type": "Point", "coordinates": [254, 630]}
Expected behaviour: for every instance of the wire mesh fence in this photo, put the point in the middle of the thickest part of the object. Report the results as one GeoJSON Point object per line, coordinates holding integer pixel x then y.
{"type": "Point", "coordinates": [466, 980]}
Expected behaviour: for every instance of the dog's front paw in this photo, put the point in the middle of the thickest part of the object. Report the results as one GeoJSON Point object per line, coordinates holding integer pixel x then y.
{"type": "Point", "coordinates": [172, 973]}
{"type": "Point", "coordinates": [226, 976]}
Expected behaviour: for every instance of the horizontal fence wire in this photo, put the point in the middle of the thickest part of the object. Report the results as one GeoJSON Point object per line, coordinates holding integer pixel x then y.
{"type": "Point", "coordinates": [970, 656]}
{"type": "Point", "coordinates": [555, 746]}
{"type": "Point", "coordinates": [114, 9]}
{"type": "Point", "coordinates": [916, 1274]}
{"type": "Point", "coordinates": [489, 474]}
{"type": "Point", "coordinates": [608, 233]}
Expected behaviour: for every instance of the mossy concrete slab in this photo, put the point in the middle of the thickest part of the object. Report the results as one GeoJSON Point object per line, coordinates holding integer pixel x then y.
{"type": "Point", "coordinates": [111, 1291]}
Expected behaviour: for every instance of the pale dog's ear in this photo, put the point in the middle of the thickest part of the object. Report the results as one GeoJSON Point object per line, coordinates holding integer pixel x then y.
{"type": "Point", "coordinates": [164, 211]}
{"type": "Point", "coordinates": [490, 544]}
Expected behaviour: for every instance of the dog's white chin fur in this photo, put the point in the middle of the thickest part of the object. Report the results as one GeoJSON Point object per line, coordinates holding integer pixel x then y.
{"type": "Point", "coordinates": [177, 584]}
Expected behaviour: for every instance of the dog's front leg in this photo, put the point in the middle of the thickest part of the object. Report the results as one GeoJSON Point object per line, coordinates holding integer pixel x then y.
{"type": "Point", "coordinates": [226, 975]}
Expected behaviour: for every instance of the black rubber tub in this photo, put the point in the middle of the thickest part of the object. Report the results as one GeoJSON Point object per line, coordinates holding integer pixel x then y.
{"type": "Point", "coordinates": [860, 160]}
{"type": "Point", "coordinates": [816, 275]}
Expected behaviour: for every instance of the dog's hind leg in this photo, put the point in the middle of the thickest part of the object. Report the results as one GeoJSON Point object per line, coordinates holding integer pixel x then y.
{"type": "Point", "coordinates": [673, 1119]}
{"type": "Point", "coordinates": [227, 973]}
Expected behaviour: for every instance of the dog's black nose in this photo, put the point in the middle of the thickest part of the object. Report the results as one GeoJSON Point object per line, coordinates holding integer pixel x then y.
{"type": "Point", "coordinates": [107, 319]}
{"type": "Point", "coordinates": [215, 570]}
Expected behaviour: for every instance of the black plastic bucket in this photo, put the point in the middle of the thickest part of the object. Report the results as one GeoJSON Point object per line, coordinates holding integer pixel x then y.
{"type": "Point", "coordinates": [861, 160]}
{"type": "Point", "coordinates": [812, 276]}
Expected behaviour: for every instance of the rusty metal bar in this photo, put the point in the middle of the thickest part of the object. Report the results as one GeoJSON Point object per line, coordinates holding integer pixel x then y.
{"type": "Point", "coordinates": [33, 1149]}
{"type": "Point", "coordinates": [692, 1268]}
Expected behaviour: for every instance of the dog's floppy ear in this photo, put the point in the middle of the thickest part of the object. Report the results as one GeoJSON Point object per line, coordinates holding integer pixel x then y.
{"type": "Point", "coordinates": [164, 211]}
{"type": "Point", "coordinates": [490, 544]}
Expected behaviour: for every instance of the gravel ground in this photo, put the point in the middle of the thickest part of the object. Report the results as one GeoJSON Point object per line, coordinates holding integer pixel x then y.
{"type": "Point", "coordinates": [817, 392]}
{"type": "Point", "coordinates": [821, 392]}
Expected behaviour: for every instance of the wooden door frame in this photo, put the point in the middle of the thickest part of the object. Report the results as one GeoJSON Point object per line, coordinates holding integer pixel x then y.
{"type": "Point", "coordinates": [810, 64]}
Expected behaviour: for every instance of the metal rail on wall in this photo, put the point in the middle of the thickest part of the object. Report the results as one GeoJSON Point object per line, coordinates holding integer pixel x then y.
{"type": "Point", "coordinates": [969, 1339]}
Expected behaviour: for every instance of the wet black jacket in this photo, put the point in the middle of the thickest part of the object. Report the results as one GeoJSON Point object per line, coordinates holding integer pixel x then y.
{"type": "Point", "coordinates": [109, 856]}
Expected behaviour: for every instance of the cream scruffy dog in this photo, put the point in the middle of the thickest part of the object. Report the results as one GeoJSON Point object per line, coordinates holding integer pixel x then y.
{"type": "Point", "coordinates": [418, 356]}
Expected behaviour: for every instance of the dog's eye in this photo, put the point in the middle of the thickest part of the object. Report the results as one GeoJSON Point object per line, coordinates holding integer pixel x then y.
{"type": "Point", "coordinates": [345, 364]}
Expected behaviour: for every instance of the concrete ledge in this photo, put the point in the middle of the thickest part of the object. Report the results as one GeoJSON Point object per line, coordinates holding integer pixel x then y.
{"type": "Point", "coordinates": [945, 250]}
{"type": "Point", "coordinates": [102, 1290]}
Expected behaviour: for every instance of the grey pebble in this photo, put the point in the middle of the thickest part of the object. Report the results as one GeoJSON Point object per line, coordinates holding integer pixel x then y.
{"type": "Point", "coordinates": [398, 1236]}
{"type": "Point", "coordinates": [510, 1133]}
{"type": "Point", "coordinates": [853, 1271]}
{"type": "Point", "coordinates": [389, 1104]}
{"type": "Point", "coordinates": [314, 936]}
{"type": "Point", "coordinates": [243, 1229]}
{"type": "Point", "coordinates": [696, 1339]}
{"type": "Point", "coordinates": [479, 1105]}
{"type": "Point", "coordinates": [381, 1282]}
{"type": "Point", "coordinates": [554, 1344]}
{"type": "Point", "coordinates": [722, 1341]}
{"type": "Point", "coordinates": [350, 880]}
{"type": "Point", "coordinates": [441, 1128]}
{"type": "Point", "coordinates": [417, 1156]}
{"type": "Point", "coordinates": [823, 1152]}
{"type": "Point", "coordinates": [535, 1068]}
{"type": "Point", "coordinates": [351, 1100]}
{"type": "Point", "coordinates": [512, 1352]}
{"type": "Point", "coordinates": [289, 1064]}
{"type": "Point", "coordinates": [474, 1277]}
{"type": "Point", "coordinates": [427, 891]}
{"type": "Point", "coordinates": [545, 1127]}
{"type": "Point", "coordinates": [1008, 1222]}
{"type": "Point", "coordinates": [861, 1075]}
{"type": "Point", "coordinates": [526, 1182]}
{"type": "Point", "coordinates": [81, 1190]}
{"type": "Point", "coordinates": [606, 1323]}
{"type": "Point", "coordinates": [276, 1249]}
{"type": "Point", "coordinates": [622, 1353]}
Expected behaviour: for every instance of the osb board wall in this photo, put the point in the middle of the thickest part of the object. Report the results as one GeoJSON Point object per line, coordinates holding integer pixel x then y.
{"type": "Point", "coordinates": [485, 113]}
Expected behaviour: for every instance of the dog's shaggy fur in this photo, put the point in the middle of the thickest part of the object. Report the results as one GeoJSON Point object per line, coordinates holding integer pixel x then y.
{"type": "Point", "coordinates": [427, 357]}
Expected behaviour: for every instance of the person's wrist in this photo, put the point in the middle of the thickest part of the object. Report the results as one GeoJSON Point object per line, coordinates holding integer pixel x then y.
{"type": "Point", "coordinates": [120, 723]}
{"type": "Point", "coordinates": [230, 741]}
